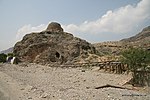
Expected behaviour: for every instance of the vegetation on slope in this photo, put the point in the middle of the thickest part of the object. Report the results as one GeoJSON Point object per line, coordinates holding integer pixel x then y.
{"type": "Point", "coordinates": [138, 60]}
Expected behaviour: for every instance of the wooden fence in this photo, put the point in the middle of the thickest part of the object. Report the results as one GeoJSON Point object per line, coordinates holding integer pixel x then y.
{"type": "Point", "coordinates": [108, 66]}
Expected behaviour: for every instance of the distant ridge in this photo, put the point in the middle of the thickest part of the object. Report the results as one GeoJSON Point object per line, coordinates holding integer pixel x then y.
{"type": "Point", "coordinates": [10, 50]}
{"type": "Point", "coordinates": [140, 40]}
{"type": "Point", "coordinates": [144, 34]}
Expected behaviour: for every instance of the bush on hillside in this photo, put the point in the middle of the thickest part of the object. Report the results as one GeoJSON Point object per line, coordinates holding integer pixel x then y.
{"type": "Point", "coordinates": [3, 57]}
{"type": "Point", "coordinates": [137, 60]}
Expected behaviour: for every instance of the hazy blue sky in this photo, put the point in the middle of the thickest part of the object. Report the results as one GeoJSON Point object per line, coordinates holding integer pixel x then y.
{"type": "Point", "coordinates": [93, 20]}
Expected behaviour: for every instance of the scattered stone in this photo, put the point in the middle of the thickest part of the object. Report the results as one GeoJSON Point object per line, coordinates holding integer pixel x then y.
{"type": "Point", "coordinates": [87, 87]}
{"type": "Point", "coordinates": [83, 71]}
{"type": "Point", "coordinates": [29, 97]}
{"type": "Point", "coordinates": [30, 88]}
{"type": "Point", "coordinates": [95, 69]}
{"type": "Point", "coordinates": [22, 89]}
{"type": "Point", "coordinates": [44, 95]}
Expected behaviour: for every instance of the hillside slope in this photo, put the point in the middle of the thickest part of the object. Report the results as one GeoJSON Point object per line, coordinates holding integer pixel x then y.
{"type": "Point", "coordinates": [141, 40]}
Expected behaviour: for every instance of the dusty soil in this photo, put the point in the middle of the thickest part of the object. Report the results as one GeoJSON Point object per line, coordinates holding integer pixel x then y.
{"type": "Point", "coordinates": [37, 82]}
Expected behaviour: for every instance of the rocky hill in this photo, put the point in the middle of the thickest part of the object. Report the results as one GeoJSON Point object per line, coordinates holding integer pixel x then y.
{"type": "Point", "coordinates": [142, 40]}
{"type": "Point", "coordinates": [52, 46]}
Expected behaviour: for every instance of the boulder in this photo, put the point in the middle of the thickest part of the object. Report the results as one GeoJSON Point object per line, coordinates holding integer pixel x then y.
{"type": "Point", "coordinates": [51, 46]}
{"type": "Point", "coordinates": [54, 27]}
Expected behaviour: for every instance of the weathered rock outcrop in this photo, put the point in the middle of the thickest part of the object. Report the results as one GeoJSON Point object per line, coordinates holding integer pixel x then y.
{"type": "Point", "coordinates": [51, 46]}
{"type": "Point", "coordinates": [54, 27]}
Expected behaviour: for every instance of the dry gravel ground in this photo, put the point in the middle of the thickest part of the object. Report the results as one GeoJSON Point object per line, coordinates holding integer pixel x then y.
{"type": "Point", "coordinates": [37, 82]}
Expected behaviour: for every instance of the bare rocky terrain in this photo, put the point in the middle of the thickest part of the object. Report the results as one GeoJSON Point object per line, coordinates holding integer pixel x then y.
{"type": "Point", "coordinates": [52, 47]}
{"type": "Point", "coordinates": [38, 82]}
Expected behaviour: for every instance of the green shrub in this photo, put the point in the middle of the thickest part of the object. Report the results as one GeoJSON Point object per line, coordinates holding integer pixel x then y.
{"type": "Point", "coordinates": [3, 57]}
{"type": "Point", "coordinates": [138, 60]}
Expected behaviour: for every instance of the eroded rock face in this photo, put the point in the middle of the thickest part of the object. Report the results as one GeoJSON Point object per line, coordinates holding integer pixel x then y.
{"type": "Point", "coordinates": [51, 46]}
{"type": "Point", "coordinates": [54, 27]}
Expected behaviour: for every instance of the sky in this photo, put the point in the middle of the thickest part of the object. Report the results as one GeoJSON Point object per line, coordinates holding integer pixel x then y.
{"type": "Point", "coordinates": [92, 20]}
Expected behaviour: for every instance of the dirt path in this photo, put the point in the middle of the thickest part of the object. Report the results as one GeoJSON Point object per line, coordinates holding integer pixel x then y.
{"type": "Point", "coordinates": [37, 82]}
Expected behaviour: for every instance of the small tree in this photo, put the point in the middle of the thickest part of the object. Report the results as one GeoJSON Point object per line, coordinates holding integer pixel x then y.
{"type": "Point", "coordinates": [3, 57]}
{"type": "Point", "coordinates": [137, 59]}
